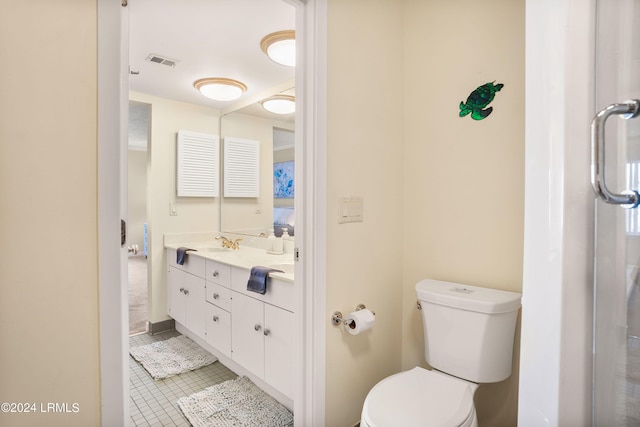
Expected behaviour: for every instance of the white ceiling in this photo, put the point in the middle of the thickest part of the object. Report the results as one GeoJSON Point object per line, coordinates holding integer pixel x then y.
{"type": "Point", "coordinates": [208, 38]}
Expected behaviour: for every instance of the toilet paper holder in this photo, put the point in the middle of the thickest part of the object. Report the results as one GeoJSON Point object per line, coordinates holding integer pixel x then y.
{"type": "Point", "coordinates": [337, 318]}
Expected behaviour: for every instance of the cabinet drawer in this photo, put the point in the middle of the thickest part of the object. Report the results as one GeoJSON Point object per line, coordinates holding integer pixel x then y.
{"type": "Point", "coordinates": [219, 295]}
{"type": "Point", "coordinates": [192, 264]}
{"type": "Point", "coordinates": [218, 332]}
{"type": "Point", "coordinates": [279, 292]}
{"type": "Point", "coordinates": [218, 273]}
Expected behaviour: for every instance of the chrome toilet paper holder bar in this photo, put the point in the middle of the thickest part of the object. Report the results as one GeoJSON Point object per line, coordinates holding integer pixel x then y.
{"type": "Point", "coordinates": [337, 318]}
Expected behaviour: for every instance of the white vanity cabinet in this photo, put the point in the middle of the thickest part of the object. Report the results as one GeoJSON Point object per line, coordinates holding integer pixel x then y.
{"type": "Point", "coordinates": [262, 341]}
{"type": "Point", "coordinates": [262, 330]}
{"type": "Point", "coordinates": [254, 331]}
{"type": "Point", "coordinates": [186, 292]}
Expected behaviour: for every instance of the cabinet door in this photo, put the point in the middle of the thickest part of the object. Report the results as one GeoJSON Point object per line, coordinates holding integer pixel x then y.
{"type": "Point", "coordinates": [175, 295]}
{"type": "Point", "coordinates": [219, 329]}
{"type": "Point", "coordinates": [247, 341]}
{"type": "Point", "coordinates": [195, 304]}
{"type": "Point", "coordinates": [278, 349]}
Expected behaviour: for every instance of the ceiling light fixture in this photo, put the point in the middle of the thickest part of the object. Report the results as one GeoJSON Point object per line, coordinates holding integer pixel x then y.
{"type": "Point", "coordinates": [220, 88]}
{"type": "Point", "coordinates": [280, 104]}
{"type": "Point", "coordinates": [280, 47]}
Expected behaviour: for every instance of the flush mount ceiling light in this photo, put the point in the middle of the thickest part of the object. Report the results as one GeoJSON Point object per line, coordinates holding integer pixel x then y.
{"type": "Point", "coordinates": [280, 104]}
{"type": "Point", "coordinates": [220, 88]}
{"type": "Point", "coordinates": [280, 47]}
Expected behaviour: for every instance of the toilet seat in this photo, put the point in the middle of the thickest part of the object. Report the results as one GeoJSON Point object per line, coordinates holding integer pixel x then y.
{"type": "Point", "coordinates": [419, 397]}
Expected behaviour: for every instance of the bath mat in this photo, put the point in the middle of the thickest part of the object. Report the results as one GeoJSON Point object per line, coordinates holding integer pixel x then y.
{"type": "Point", "coordinates": [237, 403]}
{"type": "Point", "coordinates": [174, 356]}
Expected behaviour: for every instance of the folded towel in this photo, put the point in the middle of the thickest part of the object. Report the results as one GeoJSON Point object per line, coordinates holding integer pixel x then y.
{"type": "Point", "coordinates": [258, 279]}
{"type": "Point", "coordinates": [182, 255]}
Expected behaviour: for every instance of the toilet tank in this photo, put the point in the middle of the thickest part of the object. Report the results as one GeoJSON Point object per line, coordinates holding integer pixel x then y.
{"type": "Point", "coordinates": [468, 330]}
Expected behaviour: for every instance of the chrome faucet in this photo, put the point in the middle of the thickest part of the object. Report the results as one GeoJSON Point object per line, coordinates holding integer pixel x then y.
{"type": "Point", "coordinates": [229, 244]}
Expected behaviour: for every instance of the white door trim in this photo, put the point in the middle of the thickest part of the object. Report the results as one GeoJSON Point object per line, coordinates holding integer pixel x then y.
{"type": "Point", "coordinates": [311, 207]}
{"type": "Point", "coordinates": [555, 361]}
{"type": "Point", "coordinates": [112, 279]}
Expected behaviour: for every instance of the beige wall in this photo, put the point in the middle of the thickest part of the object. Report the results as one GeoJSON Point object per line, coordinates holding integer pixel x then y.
{"type": "Point", "coordinates": [464, 179]}
{"type": "Point", "coordinates": [443, 194]}
{"type": "Point", "coordinates": [364, 158]}
{"type": "Point", "coordinates": [195, 214]}
{"type": "Point", "coordinates": [49, 349]}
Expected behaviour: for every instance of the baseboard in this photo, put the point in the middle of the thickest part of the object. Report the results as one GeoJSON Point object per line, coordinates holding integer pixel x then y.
{"type": "Point", "coordinates": [159, 327]}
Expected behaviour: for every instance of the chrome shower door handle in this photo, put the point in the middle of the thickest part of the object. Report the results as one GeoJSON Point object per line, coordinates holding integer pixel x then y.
{"type": "Point", "coordinates": [628, 109]}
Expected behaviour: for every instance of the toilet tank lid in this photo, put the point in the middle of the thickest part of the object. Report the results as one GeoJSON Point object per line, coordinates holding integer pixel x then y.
{"type": "Point", "coordinates": [466, 297]}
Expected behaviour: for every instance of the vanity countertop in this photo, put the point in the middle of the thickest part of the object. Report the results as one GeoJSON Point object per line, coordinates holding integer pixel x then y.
{"type": "Point", "coordinates": [246, 257]}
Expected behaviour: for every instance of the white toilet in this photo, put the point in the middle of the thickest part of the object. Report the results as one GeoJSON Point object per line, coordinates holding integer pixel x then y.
{"type": "Point", "coordinates": [468, 339]}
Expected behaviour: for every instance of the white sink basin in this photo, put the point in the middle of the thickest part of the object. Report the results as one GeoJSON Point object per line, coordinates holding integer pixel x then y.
{"type": "Point", "coordinates": [286, 268]}
{"type": "Point", "coordinates": [211, 249]}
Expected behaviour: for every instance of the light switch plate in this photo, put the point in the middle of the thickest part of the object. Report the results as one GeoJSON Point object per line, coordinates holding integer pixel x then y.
{"type": "Point", "coordinates": [350, 209]}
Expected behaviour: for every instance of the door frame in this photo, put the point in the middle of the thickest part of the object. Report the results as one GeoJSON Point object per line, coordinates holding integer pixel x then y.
{"type": "Point", "coordinates": [310, 212]}
{"type": "Point", "coordinates": [112, 267]}
{"type": "Point", "coordinates": [311, 208]}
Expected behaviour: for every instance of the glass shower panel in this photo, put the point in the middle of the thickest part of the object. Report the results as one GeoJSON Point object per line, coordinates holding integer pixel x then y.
{"type": "Point", "coordinates": [616, 374]}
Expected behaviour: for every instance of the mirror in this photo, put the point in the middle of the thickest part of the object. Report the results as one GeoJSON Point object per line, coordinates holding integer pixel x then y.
{"type": "Point", "coordinates": [273, 209]}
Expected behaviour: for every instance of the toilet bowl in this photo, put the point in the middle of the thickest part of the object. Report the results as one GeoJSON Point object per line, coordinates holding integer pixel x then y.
{"type": "Point", "coordinates": [468, 339]}
{"type": "Point", "coordinates": [419, 397]}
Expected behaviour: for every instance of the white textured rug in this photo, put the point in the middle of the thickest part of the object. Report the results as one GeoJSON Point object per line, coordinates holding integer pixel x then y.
{"type": "Point", "coordinates": [237, 403]}
{"type": "Point", "coordinates": [174, 356]}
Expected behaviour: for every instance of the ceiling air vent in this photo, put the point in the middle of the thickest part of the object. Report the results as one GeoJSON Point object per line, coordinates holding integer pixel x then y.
{"type": "Point", "coordinates": [162, 60]}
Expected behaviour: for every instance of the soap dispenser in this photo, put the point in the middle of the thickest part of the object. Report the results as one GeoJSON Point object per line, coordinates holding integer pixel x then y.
{"type": "Point", "coordinates": [276, 245]}
{"type": "Point", "coordinates": [271, 241]}
{"type": "Point", "coordinates": [288, 241]}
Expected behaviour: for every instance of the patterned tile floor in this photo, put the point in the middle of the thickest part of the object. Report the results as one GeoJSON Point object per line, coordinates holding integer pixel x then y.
{"type": "Point", "coordinates": [154, 403]}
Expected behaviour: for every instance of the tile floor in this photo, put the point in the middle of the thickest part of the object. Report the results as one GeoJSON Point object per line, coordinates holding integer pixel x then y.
{"type": "Point", "coordinates": [154, 403]}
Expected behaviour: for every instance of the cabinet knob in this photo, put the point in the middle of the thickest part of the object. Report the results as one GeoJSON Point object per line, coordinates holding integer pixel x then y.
{"type": "Point", "coordinates": [186, 291]}
{"type": "Point", "coordinates": [266, 332]}
{"type": "Point", "coordinates": [182, 290]}
{"type": "Point", "coordinates": [216, 274]}
{"type": "Point", "coordinates": [257, 327]}
{"type": "Point", "coordinates": [215, 296]}
{"type": "Point", "coordinates": [215, 318]}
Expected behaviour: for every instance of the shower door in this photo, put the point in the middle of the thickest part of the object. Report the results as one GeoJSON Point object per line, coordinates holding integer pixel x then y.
{"type": "Point", "coordinates": [616, 357]}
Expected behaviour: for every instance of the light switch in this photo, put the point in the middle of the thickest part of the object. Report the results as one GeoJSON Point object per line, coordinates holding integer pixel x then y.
{"type": "Point", "coordinates": [350, 209]}
{"type": "Point", "coordinates": [173, 211]}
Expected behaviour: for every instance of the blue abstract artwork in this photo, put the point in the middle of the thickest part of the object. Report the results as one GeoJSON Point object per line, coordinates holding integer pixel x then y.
{"type": "Point", "coordinates": [283, 174]}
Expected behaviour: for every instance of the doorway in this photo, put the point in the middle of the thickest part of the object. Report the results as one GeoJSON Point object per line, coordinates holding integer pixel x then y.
{"type": "Point", "coordinates": [113, 34]}
{"type": "Point", "coordinates": [138, 226]}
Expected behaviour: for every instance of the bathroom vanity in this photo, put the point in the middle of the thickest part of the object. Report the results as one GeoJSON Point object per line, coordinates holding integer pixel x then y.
{"type": "Point", "coordinates": [250, 333]}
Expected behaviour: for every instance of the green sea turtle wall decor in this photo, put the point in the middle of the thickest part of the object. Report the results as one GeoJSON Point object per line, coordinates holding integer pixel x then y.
{"type": "Point", "coordinates": [479, 99]}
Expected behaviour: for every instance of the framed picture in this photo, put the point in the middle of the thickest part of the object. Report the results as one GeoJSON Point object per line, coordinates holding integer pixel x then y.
{"type": "Point", "coordinates": [283, 174]}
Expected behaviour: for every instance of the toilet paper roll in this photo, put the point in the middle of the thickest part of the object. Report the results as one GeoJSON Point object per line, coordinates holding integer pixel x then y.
{"type": "Point", "coordinates": [359, 321]}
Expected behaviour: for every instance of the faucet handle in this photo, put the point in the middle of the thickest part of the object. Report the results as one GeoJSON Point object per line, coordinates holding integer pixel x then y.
{"type": "Point", "coordinates": [226, 243]}
{"type": "Point", "coordinates": [235, 244]}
